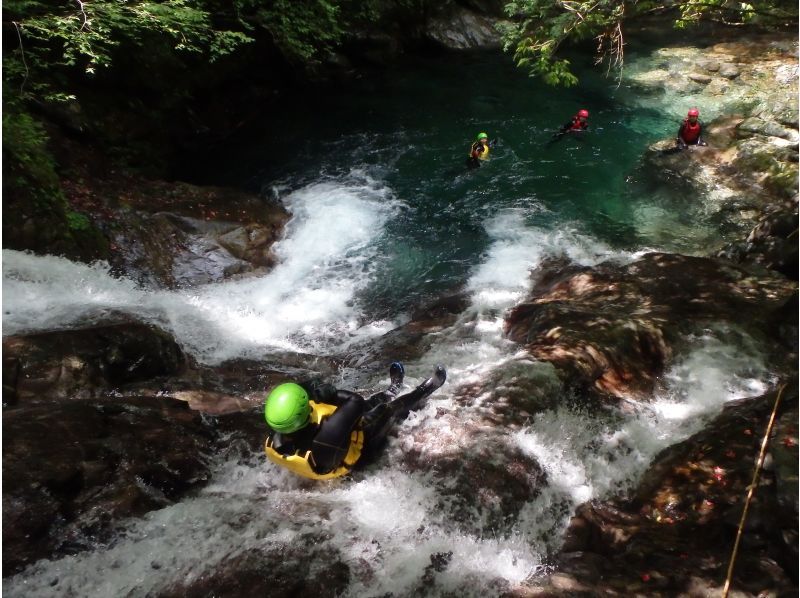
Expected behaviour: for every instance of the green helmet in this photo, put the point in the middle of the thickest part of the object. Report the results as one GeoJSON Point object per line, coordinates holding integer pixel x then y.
{"type": "Point", "coordinates": [287, 409]}
{"type": "Point", "coordinates": [482, 136]}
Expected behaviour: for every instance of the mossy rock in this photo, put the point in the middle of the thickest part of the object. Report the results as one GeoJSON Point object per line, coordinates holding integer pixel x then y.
{"type": "Point", "coordinates": [36, 215]}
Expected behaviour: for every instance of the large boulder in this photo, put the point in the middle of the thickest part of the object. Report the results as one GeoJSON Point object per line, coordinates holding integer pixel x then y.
{"type": "Point", "coordinates": [177, 235]}
{"type": "Point", "coordinates": [675, 534]}
{"type": "Point", "coordinates": [481, 479]}
{"type": "Point", "coordinates": [773, 241]}
{"type": "Point", "coordinates": [88, 363]}
{"type": "Point", "coordinates": [133, 360]}
{"type": "Point", "coordinates": [72, 470]}
{"type": "Point", "coordinates": [613, 328]}
{"type": "Point", "coordinates": [461, 28]}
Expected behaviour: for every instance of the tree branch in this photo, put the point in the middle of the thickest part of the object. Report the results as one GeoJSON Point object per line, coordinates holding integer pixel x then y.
{"type": "Point", "coordinates": [24, 62]}
{"type": "Point", "coordinates": [85, 24]}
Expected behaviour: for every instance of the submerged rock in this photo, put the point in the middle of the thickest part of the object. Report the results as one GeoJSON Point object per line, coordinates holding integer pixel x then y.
{"type": "Point", "coordinates": [72, 470]}
{"type": "Point", "coordinates": [613, 328]}
{"type": "Point", "coordinates": [675, 535]}
{"type": "Point", "coordinates": [481, 480]}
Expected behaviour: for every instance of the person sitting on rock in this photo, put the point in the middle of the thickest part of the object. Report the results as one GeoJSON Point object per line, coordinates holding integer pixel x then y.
{"type": "Point", "coordinates": [319, 432]}
{"type": "Point", "coordinates": [690, 131]}
{"type": "Point", "coordinates": [480, 150]}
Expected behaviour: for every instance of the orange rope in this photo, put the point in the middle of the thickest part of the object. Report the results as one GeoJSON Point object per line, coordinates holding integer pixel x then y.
{"type": "Point", "coordinates": [751, 491]}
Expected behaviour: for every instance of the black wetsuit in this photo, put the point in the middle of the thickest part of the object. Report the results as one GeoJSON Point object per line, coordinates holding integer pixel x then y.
{"type": "Point", "coordinates": [330, 441]}
{"type": "Point", "coordinates": [574, 124]}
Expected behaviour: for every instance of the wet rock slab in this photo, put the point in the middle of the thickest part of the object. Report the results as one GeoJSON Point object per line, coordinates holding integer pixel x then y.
{"type": "Point", "coordinates": [308, 567]}
{"type": "Point", "coordinates": [88, 363]}
{"type": "Point", "coordinates": [613, 328]}
{"type": "Point", "coordinates": [675, 534]}
{"type": "Point", "coordinates": [130, 360]}
{"type": "Point", "coordinates": [461, 28]}
{"type": "Point", "coordinates": [71, 470]}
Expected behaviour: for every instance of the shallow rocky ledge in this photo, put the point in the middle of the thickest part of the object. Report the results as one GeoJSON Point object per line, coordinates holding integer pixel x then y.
{"type": "Point", "coordinates": [747, 177]}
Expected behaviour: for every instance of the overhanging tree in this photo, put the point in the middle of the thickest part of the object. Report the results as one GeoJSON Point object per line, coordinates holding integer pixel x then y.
{"type": "Point", "coordinates": [539, 28]}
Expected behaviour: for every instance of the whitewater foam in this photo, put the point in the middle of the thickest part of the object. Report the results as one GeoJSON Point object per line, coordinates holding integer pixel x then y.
{"type": "Point", "coordinates": [388, 524]}
{"type": "Point", "coordinates": [306, 302]}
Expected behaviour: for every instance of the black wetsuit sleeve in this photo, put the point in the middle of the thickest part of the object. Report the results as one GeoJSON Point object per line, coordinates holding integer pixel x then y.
{"type": "Point", "coordinates": [332, 442]}
{"type": "Point", "coordinates": [342, 396]}
{"type": "Point", "coordinates": [680, 132]}
{"type": "Point", "coordinates": [282, 445]}
{"type": "Point", "coordinates": [320, 391]}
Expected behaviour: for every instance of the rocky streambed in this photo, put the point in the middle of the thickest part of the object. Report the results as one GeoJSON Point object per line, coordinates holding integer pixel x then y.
{"type": "Point", "coordinates": [116, 417]}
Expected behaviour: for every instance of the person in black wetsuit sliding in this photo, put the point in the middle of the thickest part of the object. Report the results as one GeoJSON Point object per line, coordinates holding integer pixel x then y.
{"type": "Point", "coordinates": [320, 432]}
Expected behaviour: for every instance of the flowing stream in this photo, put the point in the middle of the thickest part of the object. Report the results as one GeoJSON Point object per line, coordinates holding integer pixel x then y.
{"type": "Point", "coordinates": [385, 217]}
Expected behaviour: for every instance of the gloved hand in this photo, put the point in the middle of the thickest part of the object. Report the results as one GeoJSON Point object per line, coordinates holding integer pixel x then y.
{"type": "Point", "coordinates": [701, 142]}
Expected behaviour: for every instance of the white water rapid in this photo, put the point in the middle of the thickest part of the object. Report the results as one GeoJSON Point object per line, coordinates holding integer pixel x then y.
{"type": "Point", "coordinates": [305, 303]}
{"type": "Point", "coordinates": [386, 523]}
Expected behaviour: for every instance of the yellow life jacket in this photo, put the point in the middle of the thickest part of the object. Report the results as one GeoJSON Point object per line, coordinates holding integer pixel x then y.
{"type": "Point", "coordinates": [484, 155]}
{"type": "Point", "coordinates": [301, 465]}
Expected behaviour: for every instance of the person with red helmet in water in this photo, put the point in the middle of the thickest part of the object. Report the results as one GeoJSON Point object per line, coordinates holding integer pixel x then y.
{"type": "Point", "coordinates": [577, 124]}
{"type": "Point", "coordinates": [690, 132]}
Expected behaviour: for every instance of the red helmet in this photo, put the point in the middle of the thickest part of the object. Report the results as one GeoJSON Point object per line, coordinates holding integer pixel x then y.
{"type": "Point", "coordinates": [694, 112]}
{"type": "Point", "coordinates": [583, 114]}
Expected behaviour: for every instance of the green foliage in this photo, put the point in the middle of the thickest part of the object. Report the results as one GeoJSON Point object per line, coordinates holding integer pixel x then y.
{"type": "Point", "coordinates": [539, 27]}
{"type": "Point", "coordinates": [25, 154]}
{"type": "Point", "coordinates": [302, 29]}
{"type": "Point", "coordinates": [56, 40]}
{"type": "Point", "coordinates": [55, 37]}
{"type": "Point", "coordinates": [730, 12]}
{"type": "Point", "coordinates": [32, 193]}
{"type": "Point", "coordinates": [78, 222]}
